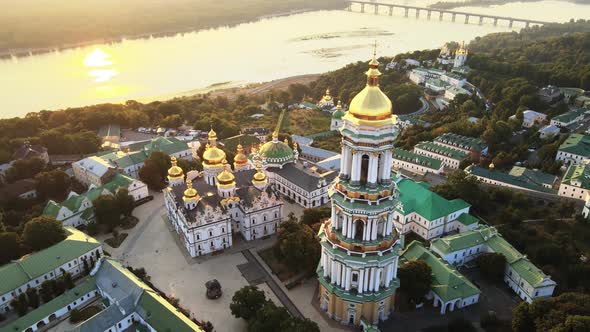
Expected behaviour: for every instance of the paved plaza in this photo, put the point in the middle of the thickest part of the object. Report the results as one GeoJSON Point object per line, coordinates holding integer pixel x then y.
{"type": "Point", "coordinates": [152, 244]}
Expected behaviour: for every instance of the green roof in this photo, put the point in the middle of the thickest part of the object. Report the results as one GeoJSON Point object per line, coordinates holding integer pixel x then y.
{"type": "Point", "coordinates": [462, 142]}
{"type": "Point", "coordinates": [447, 283]}
{"type": "Point", "coordinates": [467, 219]}
{"type": "Point", "coordinates": [276, 151]}
{"type": "Point", "coordinates": [518, 177]}
{"type": "Point", "coordinates": [29, 267]}
{"type": "Point", "coordinates": [417, 159]}
{"type": "Point", "coordinates": [416, 197]}
{"type": "Point", "coordinates": [442, 150]}
{"type": "Point", "coordinates": [338, 114]}
{"type": "Point", "coordinates": [33, 317]}
{"type": "Point", "coordinates": [162, 316]}
{"type": "Point", "coordinates": [74, 202]}
{"type": "Point", "coordinates": [167, 145]}
{"type": "Point", "coordinates": [569, 116]}
{"type": "Point", "coordinates": [490, 237]}
{"type": "Point", "coordinates": [577, 176]}
{"type": "Point", "coordinates": [577, 144]}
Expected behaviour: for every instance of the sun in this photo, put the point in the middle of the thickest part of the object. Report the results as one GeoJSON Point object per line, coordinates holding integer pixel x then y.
{"type": "Point", "coordinates": [97, 58]}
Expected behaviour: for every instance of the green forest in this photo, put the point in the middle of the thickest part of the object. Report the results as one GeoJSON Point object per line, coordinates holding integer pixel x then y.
{"type": "Point", "coordinates": [49, 23]}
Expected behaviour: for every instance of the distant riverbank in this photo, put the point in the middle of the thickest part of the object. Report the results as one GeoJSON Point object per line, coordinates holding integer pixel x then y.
{"type": "Point", "coordinates": [66, 25]}
{"type": "Point", "coordinates": [484, 3]}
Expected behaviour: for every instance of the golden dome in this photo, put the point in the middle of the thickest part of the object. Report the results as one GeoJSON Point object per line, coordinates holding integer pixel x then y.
{"type": "Point", "coordinates": [240, 157]}
{"type": "Point", "coordinates": [462, 50]}
{"type": "Point", "coordinates": [226, 176]}
{"type": "Point", "coordinates": [174, 171]}
{"type": "Point", "coordinates": [213, 155]}
{"type": "Point", "coordinates": [212, 134]}
{"type": "Point", "coordinates": [371, 103]}
{"type": "Point", "coordinates": [259, 176]}
{"type": "Point", "coordinates": [190, 194]}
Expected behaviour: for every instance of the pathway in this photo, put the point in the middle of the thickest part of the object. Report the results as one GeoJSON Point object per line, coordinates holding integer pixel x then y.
{"type": "Point", "coordinates": [273, 284]}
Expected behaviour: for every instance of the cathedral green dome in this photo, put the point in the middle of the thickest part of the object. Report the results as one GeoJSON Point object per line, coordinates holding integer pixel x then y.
{"type": "Point", "coordinates": [276, 152]}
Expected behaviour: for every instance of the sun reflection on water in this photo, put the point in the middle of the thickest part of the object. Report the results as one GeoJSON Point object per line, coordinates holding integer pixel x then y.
{"type": "Point", "coordinates": [96, 59]}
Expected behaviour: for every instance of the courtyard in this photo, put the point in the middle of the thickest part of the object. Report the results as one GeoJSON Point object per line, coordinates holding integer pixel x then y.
{"type": "Point", "coordinates": [152, 244]}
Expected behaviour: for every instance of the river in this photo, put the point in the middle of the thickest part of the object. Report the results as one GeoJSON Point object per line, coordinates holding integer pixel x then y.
{"type": "Point", "coordinates": [313, 42]}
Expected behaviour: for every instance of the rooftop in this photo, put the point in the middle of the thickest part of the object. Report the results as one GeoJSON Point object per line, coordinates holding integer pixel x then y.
{"type": "Point", "coordinates": [577, 175]}
{"type": "Point", "coordinates": [577, 144]}
{"type": "Point", "coordinates": [32, 266]}
{"type": "Point", "coordinates": [462, 142]}
{"type": "Point", "coordinates": [416, 197]}
{"type": "Point", "coordinates": [417, 159]}
{"type": "Point", "coordinates": [489, 236]}
{"type": "Point", "coordinates": [447, 283]}
{"type": "Point", "coordinates": [569, 116]}
{"type": "Point", "coordinates": [518, 177]}
{"type": "Point", "coordinates": [443, 150]}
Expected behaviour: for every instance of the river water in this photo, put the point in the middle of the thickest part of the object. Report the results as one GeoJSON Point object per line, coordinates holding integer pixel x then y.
{"type": "Point", "coordinates": [271, 48]}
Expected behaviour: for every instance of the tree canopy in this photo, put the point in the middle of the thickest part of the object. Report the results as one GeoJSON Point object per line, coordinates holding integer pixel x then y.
{"type": "Point", "coordinates": [415, 280]}
{"type": "Point", "coordinates": [42, 232]}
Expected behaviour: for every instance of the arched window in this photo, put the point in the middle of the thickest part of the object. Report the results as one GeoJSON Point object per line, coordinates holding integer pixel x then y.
{"type": "Point", "coordinates": [359, 229]}
{"type": "Point", "coordinates": [364, 169]}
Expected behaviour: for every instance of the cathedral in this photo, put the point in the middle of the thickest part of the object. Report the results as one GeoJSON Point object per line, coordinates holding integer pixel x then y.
{"type": "Point", "coordinates": [207, 209]}
{"type": "Point", "coordinates": [360, 243]}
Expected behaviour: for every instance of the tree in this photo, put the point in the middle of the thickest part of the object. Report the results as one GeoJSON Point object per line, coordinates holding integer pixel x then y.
{"type": "Point", "coordinates": [270, 318]}
{"type": "Point", "coordinates": [33, 297]}
{"type": "Point", "coordinates": [154, 170]}
{"type": "Point", "coordinates": [43, 232]}
{"type": "Point", "coordinates": [521, 318]}
{"type": "Point", "coordinates": [53, 184]}
{"type": "Point", "coordinates": [10, 247]}
{"type": "Point", "coordinates": [302, 325]}
{"type": "Point", "coordinates": [20, 304]}
{"type": "Point", "coordinates": [297, 246]}
{"type": "Point", "coordinates": [315, 215]}
{"type": "Point", "coordinates": [171, 121]}
{"type": "Point", "coordinates": [247, 301]}
{"type": "Point", "coordinates": [492, 266]}
{"type": "Point", "coordinates": [106, 210]}
{"type": "Point", "coordinates": [24, 169]}
{"type": "Point", "coordinates": [415, 280]}
{"type": "Point", "coordinates": [125, 202]}
{"type": "Point", "coordinates": [67, 280]}
{"type": "Point", "coordinates": [461, 185]}
{"type": "Point", "coordinates": [46, 290]}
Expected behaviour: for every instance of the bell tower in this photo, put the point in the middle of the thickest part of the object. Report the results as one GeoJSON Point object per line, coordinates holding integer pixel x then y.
{"type": "Point", "coordinates": [360, 244]}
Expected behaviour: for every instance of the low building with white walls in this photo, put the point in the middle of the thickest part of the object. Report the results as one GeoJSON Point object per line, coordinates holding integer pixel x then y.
{"type": "Point", "coordinates": [48, 264]}
{"type": "Point", "coordinates": [78, 209]}
{"type": "Point", "coordinates": [574, 150]}
{"type": "Point", "coordinates": [450, 290]}
{"type": "Point", "coordinates": [127, 304]}
{"type": "Point", "coordinates": [469, 145]}
{"type": "Point", "coordinates": [549, 131]}
{"type": "Point", "coordinates": [427, 214]}
{"type": "Point", "coordinates": [518, 178]}
{"type": "Point", "coordinates": [415, 163]}
{"type": "Point", "coordinates": [569, 118]}
{"type": "Point", "coordinates": [522, 276]}
{"type": "Point", "coordinates": [576, 182]}
{"type": "Point", "coordinates": [532, 118]}
{"type": "Point", "coordinates": [450, 156]}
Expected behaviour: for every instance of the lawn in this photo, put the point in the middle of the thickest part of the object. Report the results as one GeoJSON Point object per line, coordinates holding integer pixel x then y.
{"type": "Point", "coordinates": [306, 122]}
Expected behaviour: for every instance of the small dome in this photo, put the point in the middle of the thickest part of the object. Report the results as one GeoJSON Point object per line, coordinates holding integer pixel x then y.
{"type": "Point", "coordinates": [190, 194]}
{"type": "Point", "coordinates": [212, 134]}
{"type": "Point", "coordinates": [240, 157]}
{"type": "Point", "coordinates": [174, 171]}
{"type": "Point", "coordinates": [226, 176]}
{"type": "Point", "coordinates": [259, 176]}
{"type": "Point", "coordinates": [338, 113]}
{"type": "Point", "coordinates": [213, 155]}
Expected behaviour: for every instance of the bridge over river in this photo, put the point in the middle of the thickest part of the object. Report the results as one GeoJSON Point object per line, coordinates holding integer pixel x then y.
{"type": "Point", "coordinates": [441, 13]}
